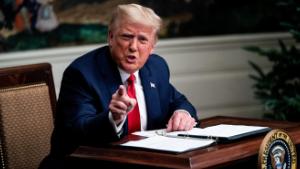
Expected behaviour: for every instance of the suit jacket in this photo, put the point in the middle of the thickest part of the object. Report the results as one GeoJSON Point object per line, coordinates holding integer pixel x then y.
{"type": "Point", "coordinates": [86, 90]}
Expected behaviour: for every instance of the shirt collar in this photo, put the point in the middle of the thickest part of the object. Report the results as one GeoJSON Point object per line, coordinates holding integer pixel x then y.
{"type": "Point", "coordinates": [124, 75]}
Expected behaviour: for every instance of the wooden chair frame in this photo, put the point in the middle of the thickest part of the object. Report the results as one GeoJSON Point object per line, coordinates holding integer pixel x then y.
{"type": "Point", "coordinates": [25, 75]}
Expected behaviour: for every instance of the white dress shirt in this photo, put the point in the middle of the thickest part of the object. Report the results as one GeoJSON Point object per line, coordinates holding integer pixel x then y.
{"type": "Point", "coordinates": [140, 100]}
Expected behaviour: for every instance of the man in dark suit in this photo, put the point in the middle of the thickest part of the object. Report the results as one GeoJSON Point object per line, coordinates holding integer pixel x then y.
{"type": "Point", "coordinates": [96, 103]}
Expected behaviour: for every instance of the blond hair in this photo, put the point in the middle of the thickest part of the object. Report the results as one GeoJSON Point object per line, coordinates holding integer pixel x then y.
{"type": "Point", "coordinates": [136, 14]}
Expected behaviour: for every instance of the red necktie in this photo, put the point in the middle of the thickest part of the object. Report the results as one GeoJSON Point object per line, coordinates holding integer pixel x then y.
{"type": "Point", "coordinates": [134, 123]}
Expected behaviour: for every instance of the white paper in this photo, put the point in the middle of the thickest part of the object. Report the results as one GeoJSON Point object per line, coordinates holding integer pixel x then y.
{"type": "Point", "coordinates": [222, 130]}
{"type": "Point", "coordinates": [226, 130]}
{"type": "Point", "coordinates": [169, 144]}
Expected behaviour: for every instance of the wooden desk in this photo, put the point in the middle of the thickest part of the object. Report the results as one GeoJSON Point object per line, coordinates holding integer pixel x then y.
{"type": "Point", "coordinates": [238, 154]}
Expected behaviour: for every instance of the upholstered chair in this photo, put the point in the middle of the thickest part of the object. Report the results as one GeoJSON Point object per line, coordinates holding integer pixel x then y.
{"type": "Point", "coordinates": [27, 103]}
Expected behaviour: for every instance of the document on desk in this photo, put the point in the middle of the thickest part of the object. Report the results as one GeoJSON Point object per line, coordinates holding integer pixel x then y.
{"type": "Point", "coordinates": [169, 144]}
{"type": "Point", "coordinates": [220, 133]}
{"type": "Point", "coordinates": [223, 132]}
{"type": "Point", "coordinates": [181, 141]}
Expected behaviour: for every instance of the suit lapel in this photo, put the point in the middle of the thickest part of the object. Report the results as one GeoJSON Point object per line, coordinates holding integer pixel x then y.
{"type": "Point", "coordinates": [149, 84]}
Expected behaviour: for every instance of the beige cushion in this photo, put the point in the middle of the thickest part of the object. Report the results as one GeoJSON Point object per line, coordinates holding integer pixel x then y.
{"type": "Point", "coordinates": [26, 125]}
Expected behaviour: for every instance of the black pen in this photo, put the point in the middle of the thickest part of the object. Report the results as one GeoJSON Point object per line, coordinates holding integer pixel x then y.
{"type": "Point", "coordinates": [201, 137]}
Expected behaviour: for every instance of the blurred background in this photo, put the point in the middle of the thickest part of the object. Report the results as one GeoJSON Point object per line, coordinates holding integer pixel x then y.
{"type": "Point", "coordinates": [233, 58]}
{"type": "Point", "coordinates": [52, 23]}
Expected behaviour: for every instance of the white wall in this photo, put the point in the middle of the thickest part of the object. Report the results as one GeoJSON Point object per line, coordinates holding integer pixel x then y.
{"type": "Point", "coordinates": [211, 71]}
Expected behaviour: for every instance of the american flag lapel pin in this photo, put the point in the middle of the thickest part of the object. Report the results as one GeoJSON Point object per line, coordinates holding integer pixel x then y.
{"type": "Point", "coordinates": [152, 85]}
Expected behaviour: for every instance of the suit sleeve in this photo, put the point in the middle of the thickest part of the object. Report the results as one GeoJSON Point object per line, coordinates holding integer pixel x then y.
{"type": "Point", "coordinates": [176, 99]}
{"type": "Point", "coordinates": [179, 101]}
{"type": "Point", "coordinates": [81, 114]}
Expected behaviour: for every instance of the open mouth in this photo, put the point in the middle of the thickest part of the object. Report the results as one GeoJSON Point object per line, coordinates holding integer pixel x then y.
{"type": "Point", "coordinates": [131, 58]}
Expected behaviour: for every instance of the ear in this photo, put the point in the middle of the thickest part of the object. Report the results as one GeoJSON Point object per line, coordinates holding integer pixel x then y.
{"type": "Point", "coordinates": [153, 44]}
{"type": "Point", "coordinates": [152, 48]}
{"type": "Point", "coordinates": [109, 36]}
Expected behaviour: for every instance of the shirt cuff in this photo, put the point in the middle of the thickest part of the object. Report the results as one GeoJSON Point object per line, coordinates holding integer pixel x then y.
{"type": "Point", "coordinates": [118, 129]}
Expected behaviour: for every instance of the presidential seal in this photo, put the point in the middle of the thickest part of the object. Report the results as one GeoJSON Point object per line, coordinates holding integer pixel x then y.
{"type": "Point", "coordinates": [277, 151]}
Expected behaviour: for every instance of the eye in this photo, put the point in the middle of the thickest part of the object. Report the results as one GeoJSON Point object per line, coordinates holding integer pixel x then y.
{"type": "Point", "coordinates": [126, 36]}
{"type": "Point", "coordinates": [143, 39]}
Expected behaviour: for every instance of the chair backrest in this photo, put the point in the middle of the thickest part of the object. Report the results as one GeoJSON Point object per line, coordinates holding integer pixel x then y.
{"type": "Point", "coordinates": [27, 104]}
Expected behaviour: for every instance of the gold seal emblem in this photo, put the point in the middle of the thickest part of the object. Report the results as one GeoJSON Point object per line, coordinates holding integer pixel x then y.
{"type": "Point", "coordinates": [277, 151]}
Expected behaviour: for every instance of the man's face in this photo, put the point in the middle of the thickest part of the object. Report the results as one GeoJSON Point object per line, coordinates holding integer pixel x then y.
{"type": "Point", "coordinates": [131, 45]}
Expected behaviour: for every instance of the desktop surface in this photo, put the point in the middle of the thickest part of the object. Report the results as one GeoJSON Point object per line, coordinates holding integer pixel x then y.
{"type": "Point", "coordinates": [236, 154]}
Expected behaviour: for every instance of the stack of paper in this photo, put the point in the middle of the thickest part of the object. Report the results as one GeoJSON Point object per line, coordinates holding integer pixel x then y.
{"type": "Point", "coordinates": [181, 141]}
{"type": "Point", "coordinates": [223, 132]}
{"type": "Point", "coordinates": [169, 144]}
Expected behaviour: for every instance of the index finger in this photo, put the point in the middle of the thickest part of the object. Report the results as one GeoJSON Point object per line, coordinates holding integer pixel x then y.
{"type": "Point", "coordinates": [121, 90]}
